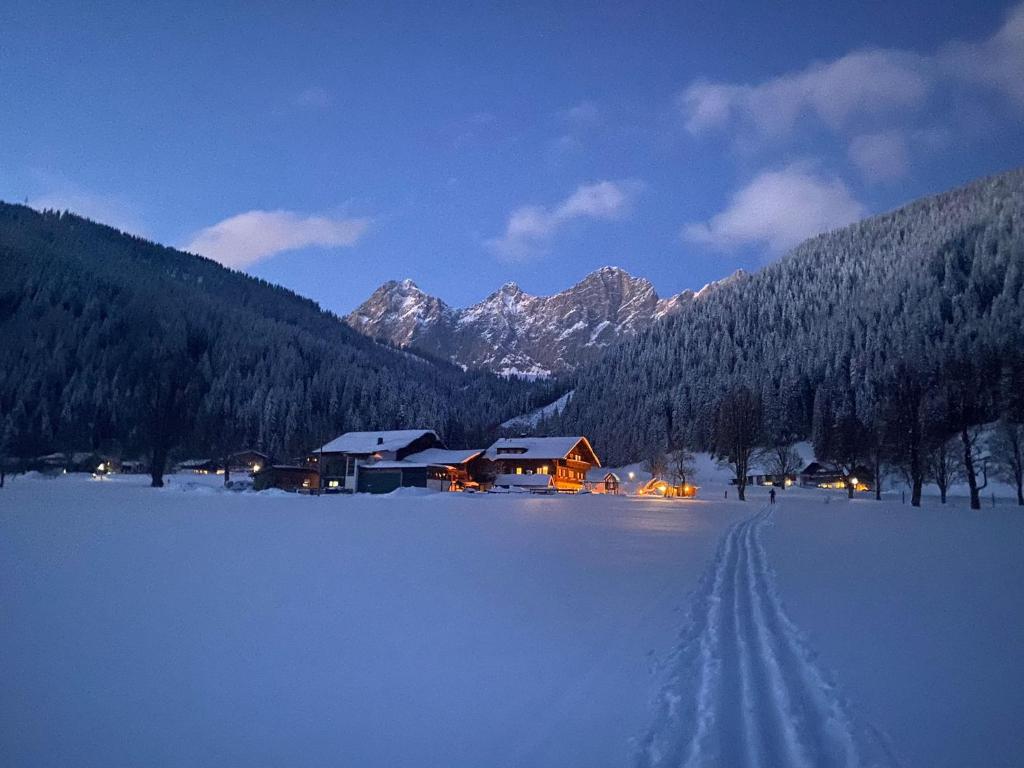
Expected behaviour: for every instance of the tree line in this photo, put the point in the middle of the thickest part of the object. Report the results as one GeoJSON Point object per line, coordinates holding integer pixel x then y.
{"type": "Point", "coordinates": [926, 427]}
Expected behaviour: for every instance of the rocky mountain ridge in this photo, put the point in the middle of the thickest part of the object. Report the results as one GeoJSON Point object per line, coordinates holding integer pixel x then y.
{"type": "Point", "coordinates": [512, 332]}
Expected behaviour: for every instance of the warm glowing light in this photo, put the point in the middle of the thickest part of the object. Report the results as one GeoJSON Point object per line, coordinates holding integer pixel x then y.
{"type": "Point", "coordinates": [333, 484]}
{"type": "Point", "coordinates": [854, 481]}
{"type": "Point", "coordinates": [255, 467]}
{"type": "Point", "coordinates": [102, 467]}
{"type": "Point", "coordinates": [632, 475]}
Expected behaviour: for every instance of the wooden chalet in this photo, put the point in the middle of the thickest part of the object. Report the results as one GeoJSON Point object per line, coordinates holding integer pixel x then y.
{"type": "Point", "coordinates": [248, 461]}
{"type": "Point", "coordinates": [776, 480]}
{"type": "Point", "coordinates": [567, 460]}
{"type": "Point", "coordinates": [818, 475]}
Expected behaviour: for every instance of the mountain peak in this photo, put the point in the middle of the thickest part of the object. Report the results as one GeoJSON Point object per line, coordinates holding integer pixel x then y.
{"type": "Point", "coordinates": [514, 332]}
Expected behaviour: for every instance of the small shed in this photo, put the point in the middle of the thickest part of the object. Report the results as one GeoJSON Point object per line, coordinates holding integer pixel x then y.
{"type": "Point", "coordinates": [603, 481]}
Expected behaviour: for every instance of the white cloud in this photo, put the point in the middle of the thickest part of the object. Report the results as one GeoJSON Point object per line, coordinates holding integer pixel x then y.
{"type": "Point", "coordinates": [862, 83]}
{"type": "Point", "coordinates": [105, 209]}
{"type": "Point", "coordinates": [531, 227]}
{"type": "Point", "coordinates": [584, 115]}
{"type": "Point", "coordinates": [243, 240]}
{"type": "Point", "coordinates": [313, 97]}
{"type": "Point", "coordinates": [997, 62]}
{"type": "Point", "coordinates": [881, 156]}
{"type": "Point", "coordinates": [861, 89]}
{"type": "Point", "coordinates": [779, 209]}
{"type": "Point", "coordinates": [564, 146]}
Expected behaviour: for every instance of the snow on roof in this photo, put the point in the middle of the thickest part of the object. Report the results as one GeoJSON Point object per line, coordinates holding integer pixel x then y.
{"type": "Point", "coordinates": [402, 464]}
{"type": "Point", "coordinates": [597, 475]}
{"type": "Point", "coordinates": [526, 481]}
{"type": "Point", "coordinates": [443, 456]}
{"type": "Point", "coordinates": [535, 447]}
{"type": "Point", "coordinates": [371, 442]}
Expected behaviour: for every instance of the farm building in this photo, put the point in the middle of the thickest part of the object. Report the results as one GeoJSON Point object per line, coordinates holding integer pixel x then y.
{"type": "Point", "coordinates": [565, 459]}
{"type": "Point", "coordinates": [437, 468]}
{"type": "Point", "coordinates": [379, 462]}
{"type": "Point", "coordinates": [286, 477]}
{"type": "Point", "coordinates": [248, 461]}
{"type": "Point", "coordinates": [340, 460]}
{"type": "Point", "coordinates": [602, 481]}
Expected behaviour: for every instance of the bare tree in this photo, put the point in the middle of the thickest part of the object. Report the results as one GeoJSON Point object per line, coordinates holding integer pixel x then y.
{"type": "Point", "coordinates": [6, 438]}
{"type": "Point", "coordinates": [975, 463]}
{"type": "Point", "coordinates": [169, 394]}
{"type": "Point", "coordinates": [944, 465]}
{"type": "Point", "coordinates": [737, 434]}
{"type": "Point", "coordinates": [782, 460]}
{"type": "Point", "coordinates": [682, 466]}
{"type": "Point", "coordinates": [904, 416]}
{"type": "Point", "coordinates": [656, 464]}
{"type": "Point", "coordinates": [1007, 449]}
{"type": "Point", "coordinates": [844, 442]}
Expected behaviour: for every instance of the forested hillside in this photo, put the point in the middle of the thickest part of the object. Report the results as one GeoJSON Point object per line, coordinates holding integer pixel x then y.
{"type": "Point", "coordinates": [933, 292]}
{"type": "Point", "coordinates": [109, 341]}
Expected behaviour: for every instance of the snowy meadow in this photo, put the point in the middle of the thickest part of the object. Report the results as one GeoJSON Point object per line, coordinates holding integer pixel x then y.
{"type": "Point", "coordinates": [193, 626]}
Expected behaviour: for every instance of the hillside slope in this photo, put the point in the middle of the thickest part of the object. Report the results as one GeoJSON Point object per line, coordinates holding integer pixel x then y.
{"type": "Point", "coordinates": [942, 277]}
{"type": "Point", "coordinates": [93, 322]}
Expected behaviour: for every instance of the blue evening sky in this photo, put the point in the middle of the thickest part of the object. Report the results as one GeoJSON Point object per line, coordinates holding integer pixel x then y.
{"type": "Point", "coordinates": [332, 146]}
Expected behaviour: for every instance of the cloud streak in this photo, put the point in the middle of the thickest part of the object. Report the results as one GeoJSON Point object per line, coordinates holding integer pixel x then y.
{"type": "Point", "coordinates": [779, 209]}
{"type": "Point", "coordinates": [868, 83]}
{"type": "Point", "coordinates": [861, 87]}
{"type": "Point", "coordinates": [530, 228]}
{"type": "Point", "coordinates": [247, 238]}
{"type": "Point", "coordinates": [881, 156]}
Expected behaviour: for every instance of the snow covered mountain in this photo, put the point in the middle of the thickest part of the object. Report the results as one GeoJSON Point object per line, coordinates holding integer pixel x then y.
{"type": "Point", "coordinates": [513, 332]}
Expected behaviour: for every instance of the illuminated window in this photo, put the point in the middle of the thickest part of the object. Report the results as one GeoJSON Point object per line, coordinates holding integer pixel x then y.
{"type": "Point", "coordinates": [333, 484]}
{"type": "Point", "coordinates": [519, 470]}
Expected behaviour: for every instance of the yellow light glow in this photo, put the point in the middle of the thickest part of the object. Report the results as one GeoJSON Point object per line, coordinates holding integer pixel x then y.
{"type": "Point", "coordinates": [255, 467]}
{"type": "Point", "coordinates": [854, 481]}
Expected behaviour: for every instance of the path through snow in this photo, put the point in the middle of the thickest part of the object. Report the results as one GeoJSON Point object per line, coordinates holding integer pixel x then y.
{"type": "Point", "coordinates": [745, 689]}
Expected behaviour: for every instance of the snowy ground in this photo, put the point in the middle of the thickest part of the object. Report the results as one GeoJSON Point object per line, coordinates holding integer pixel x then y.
{"type": "Point", "coordinates": [190, 626]}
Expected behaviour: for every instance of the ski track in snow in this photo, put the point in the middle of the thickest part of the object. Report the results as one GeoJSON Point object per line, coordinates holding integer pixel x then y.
{"type": "Point", "coordinates": [745, 691]}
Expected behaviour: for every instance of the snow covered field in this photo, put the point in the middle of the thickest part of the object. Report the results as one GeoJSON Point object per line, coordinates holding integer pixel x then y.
{"type": "Point", "coordinates": [189, 626]}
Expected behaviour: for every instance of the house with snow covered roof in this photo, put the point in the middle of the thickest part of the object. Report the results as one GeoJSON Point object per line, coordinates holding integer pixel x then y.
{"type": "Point", "coordinates": [340, 460]}
{"type": "Point", "coordinates": [438, 468]}
{"type": "Point", "coordinates": [566, 460]}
